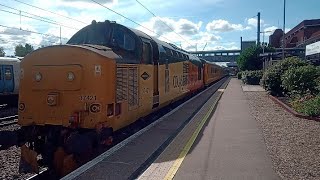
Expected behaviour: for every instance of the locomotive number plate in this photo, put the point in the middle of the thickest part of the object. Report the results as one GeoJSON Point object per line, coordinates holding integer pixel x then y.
{"type": "Point", "coordinates": [88, 98]}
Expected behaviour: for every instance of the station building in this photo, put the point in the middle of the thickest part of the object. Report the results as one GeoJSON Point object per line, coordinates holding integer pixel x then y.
{"type": "Point", "coordinates": [302, 41]}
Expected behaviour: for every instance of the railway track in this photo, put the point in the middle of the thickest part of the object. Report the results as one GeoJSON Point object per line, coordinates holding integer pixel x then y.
{"type": "Point", "coordinates": [3, 106]}
{"type": "Point", "coordinates": [9, 120]}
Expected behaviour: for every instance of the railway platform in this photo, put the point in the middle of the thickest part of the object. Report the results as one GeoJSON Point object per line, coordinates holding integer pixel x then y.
{"type": "Point", "coordinates": [203, 138]}
{"type": "Point", "coordinates": [229, 146]}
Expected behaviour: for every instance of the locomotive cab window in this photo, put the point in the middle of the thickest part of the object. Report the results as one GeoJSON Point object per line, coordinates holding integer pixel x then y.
{"type": "Point", "coordinates": [98, 33]}
{"type": "Point", "coordinates": [123, 40]}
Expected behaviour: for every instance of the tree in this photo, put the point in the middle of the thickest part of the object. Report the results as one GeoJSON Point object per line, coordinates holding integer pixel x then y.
{"type": "Point", "coordinates": [2, 53]}
{"type": "Point", "coordinates": [22, 51]}
{"type": "Point", "coordinates": [249, 59]}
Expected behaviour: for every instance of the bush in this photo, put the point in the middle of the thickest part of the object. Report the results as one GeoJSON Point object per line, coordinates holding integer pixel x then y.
{"type": "Point", "coordinates": [252, 77]}
{"type": "Point", "coordinates": [308, 105]}
{"type": "Point", "coordinates": [300, 80]}
{"type": "Point", "coordinates": [271, 79]}
{"type": "Point", "coordinates": [249, 59]}
{"type": "Point", "coordinates": [239, 75]}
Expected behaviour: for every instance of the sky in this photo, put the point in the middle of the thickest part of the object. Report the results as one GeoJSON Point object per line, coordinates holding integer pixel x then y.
{"type": "Point", "coordinates": [190, 24]}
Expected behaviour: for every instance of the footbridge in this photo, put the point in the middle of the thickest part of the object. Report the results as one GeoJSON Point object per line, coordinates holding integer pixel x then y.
{"type": "Point", "coordinates": [218, 55]}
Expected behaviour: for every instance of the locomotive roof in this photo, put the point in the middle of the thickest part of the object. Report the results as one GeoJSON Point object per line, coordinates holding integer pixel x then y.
{"type": "Point", "coordinates": [139, 33]}
{"type": "Point", "coordinates": [11, 59]}
{"type": "Point", "coordinates": [99, 26]}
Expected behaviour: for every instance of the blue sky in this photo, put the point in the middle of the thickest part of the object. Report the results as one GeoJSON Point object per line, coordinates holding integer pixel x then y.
{"type": "Point", "coordinates": [217, 23]}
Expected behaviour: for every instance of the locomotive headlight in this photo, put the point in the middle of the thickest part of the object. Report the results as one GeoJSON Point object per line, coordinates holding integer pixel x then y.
{"type": "Point", "coordinates": [38, 76]}
{"type": "Point", "coordinates": [70, 76]}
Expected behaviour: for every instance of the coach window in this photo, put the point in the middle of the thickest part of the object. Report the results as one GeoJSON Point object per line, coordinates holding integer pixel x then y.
{"type": "Point", "coordinates": [175, 54]}
{"type": "Point", "coordinates": [0, 73]}
{"type": "Point", "coordinates": [199, 73]}
{"type": "Point", "coordinates": [147, 53]}
{"type": "Point", "coordinates": [8, 74]}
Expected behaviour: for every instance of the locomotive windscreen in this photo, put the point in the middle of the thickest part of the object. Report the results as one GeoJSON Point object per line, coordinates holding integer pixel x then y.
{"type": "Point", "coordinates": [96, 33]}
{"type": "Point", "coordinates": [100, 34]}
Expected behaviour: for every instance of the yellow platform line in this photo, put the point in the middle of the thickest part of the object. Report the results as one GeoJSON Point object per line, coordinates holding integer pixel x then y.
{"type": "Point", "coordinates": [177, 163]}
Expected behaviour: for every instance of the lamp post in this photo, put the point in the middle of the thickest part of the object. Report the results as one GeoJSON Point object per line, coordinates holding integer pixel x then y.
{"type": "Point", "coordinates": [263, 32]}
{"type": "Point", "coordinates": [284, 27]}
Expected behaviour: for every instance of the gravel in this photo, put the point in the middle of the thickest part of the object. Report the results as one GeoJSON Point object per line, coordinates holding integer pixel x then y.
{"type": "Point", "coordinates": [9, 160]}
{"type": "Point", "coordinates": [293, 143]}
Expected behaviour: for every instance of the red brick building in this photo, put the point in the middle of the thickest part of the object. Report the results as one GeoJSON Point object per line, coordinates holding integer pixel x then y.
{"type": "Point", "coordinates": [307, 32]}
{"type": "Point", "coordinates": [275, 38]}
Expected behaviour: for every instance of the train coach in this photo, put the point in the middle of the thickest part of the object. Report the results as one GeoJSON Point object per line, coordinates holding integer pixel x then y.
{"type": "Point", "coordinates": [211, 72]}
{"type": "Point", "coordinates": [73, 97]}
{"type": "Point", "coordinates": [9, 80]}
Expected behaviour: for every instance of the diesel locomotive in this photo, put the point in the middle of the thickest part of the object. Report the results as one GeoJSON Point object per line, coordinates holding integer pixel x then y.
{"type": "Point", "coordinates": [73, 97]}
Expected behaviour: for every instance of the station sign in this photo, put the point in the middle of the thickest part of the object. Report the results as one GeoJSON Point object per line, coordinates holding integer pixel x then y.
{"type": "Point", "coordinates": [313, 48]}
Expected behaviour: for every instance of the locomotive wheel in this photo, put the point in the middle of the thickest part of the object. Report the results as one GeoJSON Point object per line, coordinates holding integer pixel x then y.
{"type": "Point", "coordinates": [105, 136]}
{"type": "Point", "coordinates": [58, 159]}
{"type": "Point", "coordinates": [108, 141]}
{"type": "Point", "coordinates": [69, 164]}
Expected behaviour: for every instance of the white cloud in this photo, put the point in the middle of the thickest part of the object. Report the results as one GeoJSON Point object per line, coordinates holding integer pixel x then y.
{"type": "Point", "coordinates": [287, 30]}
{"type": "Point", "coordinates": [254, 22]}
{"type": "Point", "coordinates": [221, 25]}
{"type": "Point", "coordinates": [189, 32]}
{"type": "Point", "coordinates": [166, 25]}
{"type": "Point", "coordinates": [269, 30]}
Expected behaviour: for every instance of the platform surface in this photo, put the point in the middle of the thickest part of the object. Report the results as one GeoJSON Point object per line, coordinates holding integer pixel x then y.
{"type": "Point", "coordinates": [252, 88]}
{"type": "Point", "coordinates": [229, 146]}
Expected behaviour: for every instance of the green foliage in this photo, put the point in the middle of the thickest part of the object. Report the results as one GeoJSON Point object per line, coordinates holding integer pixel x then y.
{"type": "Point", "coordinates": [249, 59]}
{"type": "Point", "coordinates": [22, 51]}
{"type": "Point", "coordinates": [308, 105]}
{"type": "Point", "coordinates": [271, 79]}
{"type": "Point", "coordinates": [301, 80]}
{"type": "Point", "coordinates": [252, 77]}
{"type": "Point", "coordinates": [2, 53]}
{"type": "Point", "coordinates": [318, 81]}
{"type": "Point", "coordinates": [239, 75]}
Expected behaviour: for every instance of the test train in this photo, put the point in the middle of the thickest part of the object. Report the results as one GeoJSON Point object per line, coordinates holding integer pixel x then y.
{"type": "Point", "coordinates": [73, 97]}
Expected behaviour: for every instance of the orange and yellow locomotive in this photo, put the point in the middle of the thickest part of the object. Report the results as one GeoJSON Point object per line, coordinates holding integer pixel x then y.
{"type": "Point", "coordinates": [73, 97]}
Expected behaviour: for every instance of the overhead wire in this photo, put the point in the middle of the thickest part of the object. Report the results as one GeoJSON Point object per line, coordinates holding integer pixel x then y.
{"type": "Point", "coordinates": [130, 19]}
{"type": "Point", "coordinates": [162, 21]}
{"type": "Point", "coordinates": [19, 42]}
{"type": "Point", "coordinates": [50, 11]}
{"type": "Point", "coordinates": [38, 19]}
{"type": "Point", "coordinates": [34, 32]}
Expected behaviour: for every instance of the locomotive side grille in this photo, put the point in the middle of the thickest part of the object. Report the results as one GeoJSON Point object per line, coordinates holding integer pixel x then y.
{"type": "Point", "coordinates": [133, 87]}
{"type": "Point", "coordinates": [122, 84]}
